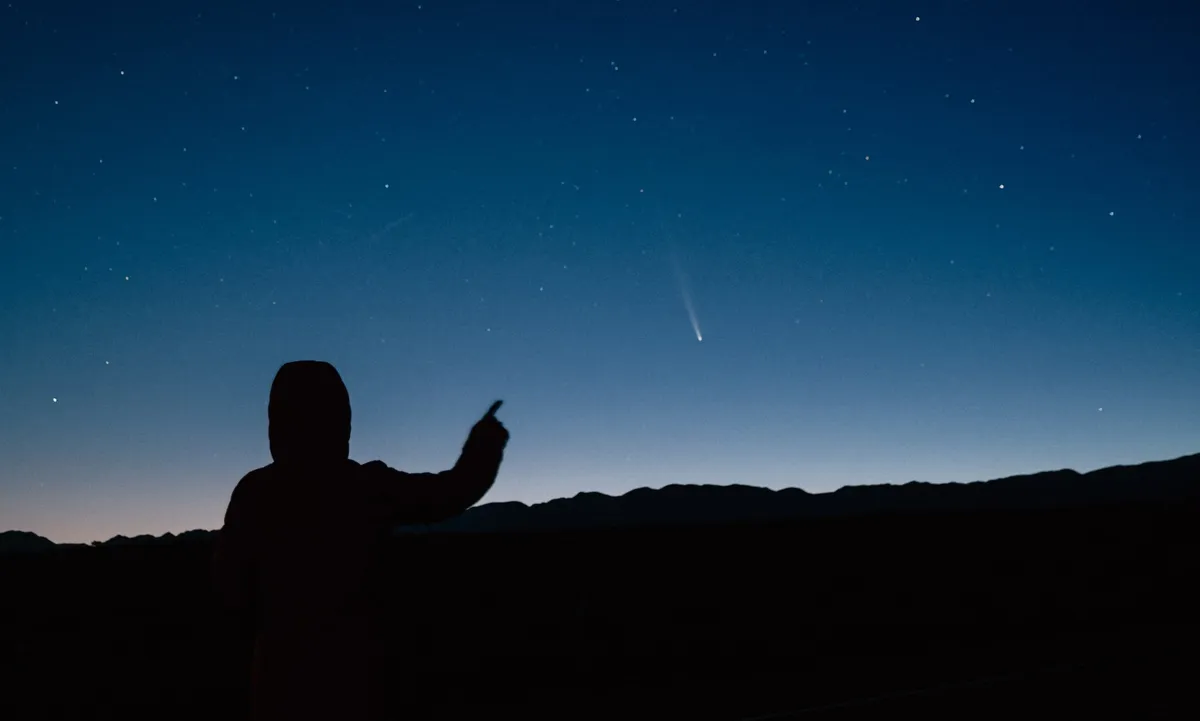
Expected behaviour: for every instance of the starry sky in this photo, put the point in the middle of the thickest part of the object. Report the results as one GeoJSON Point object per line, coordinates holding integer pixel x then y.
{"type": "Point", "coordinates": [940, 240]}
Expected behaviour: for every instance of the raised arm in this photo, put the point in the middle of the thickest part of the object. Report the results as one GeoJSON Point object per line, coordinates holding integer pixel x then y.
{"type": "Point", "coordinates": [412, 498]}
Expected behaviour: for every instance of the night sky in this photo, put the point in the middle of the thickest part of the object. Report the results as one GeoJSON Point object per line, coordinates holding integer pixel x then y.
{"type": "Point", "coordinates": [920, 240]}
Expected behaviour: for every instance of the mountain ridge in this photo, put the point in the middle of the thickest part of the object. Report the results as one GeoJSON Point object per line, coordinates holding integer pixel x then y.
{"type": "Point", "coordinates": [1159, 481]}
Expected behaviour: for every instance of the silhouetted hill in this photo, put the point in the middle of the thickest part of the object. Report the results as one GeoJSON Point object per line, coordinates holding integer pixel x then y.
{"type": "Point", "coordinates": [1070, 595]}
{"type": "Point", "coordinates": [1176, 480]}
{"type": "Point", "coordinates": [1077, 613]}
{"type": "Point", "coordinates": [1154, 482]}
{"type": "Point", "coordinates": [23, 542]}
{"type": "Point", "coordinates": [148, 540]}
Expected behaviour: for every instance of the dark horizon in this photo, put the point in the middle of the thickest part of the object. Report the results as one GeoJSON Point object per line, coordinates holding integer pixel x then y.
{"type": "Point", "coordinates": [1132, 488]}
{"type": "Point", "coordinates": [1082, 614]}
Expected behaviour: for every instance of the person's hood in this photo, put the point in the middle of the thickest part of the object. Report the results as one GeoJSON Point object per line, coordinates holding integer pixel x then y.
{"type": "Point", "coordinates": [309, 413]}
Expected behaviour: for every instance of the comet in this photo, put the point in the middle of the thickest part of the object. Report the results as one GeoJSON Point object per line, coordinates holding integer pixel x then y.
{"type": "Point", "coordinates": [687, 296]}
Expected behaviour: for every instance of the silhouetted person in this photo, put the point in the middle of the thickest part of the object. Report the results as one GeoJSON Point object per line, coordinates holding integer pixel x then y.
{"type": "Point", "coordinates": [294, 553]}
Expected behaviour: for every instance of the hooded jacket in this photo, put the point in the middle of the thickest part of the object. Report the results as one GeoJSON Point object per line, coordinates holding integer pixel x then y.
{"type": "Point", "coordinates": [296, 550]}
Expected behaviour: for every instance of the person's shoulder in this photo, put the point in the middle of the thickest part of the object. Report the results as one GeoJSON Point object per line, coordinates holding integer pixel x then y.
{"type": "Point", "coordinates": [260, 475]}
{"type": "Point", "coordinates": [380, 472]}
{"type": "Point", "coordinates": [252, 483]}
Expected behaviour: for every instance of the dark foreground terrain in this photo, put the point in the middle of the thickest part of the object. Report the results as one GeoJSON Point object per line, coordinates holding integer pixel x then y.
{"type": "Point", "coordinates": [1074, 614]}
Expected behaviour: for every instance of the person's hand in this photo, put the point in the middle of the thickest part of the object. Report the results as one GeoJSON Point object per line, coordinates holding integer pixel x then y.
{"type": "Point", "coordinates": [488, 432]}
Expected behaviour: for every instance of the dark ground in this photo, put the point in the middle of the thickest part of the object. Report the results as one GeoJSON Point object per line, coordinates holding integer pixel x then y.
{"type": "Point", "coordinates": [1076, 614]}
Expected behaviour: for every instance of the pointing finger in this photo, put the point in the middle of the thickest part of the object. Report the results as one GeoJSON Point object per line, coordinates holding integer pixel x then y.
{"type": "Point", "coordinates": [492, 411]}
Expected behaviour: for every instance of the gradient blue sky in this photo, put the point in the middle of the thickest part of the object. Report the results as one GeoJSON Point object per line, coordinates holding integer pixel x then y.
{"type": "Point", "coordinates": [948, 248]}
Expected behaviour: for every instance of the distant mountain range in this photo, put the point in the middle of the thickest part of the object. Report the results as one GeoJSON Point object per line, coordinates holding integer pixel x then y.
{"type": "Point", "coordinates": [1154, 482]}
